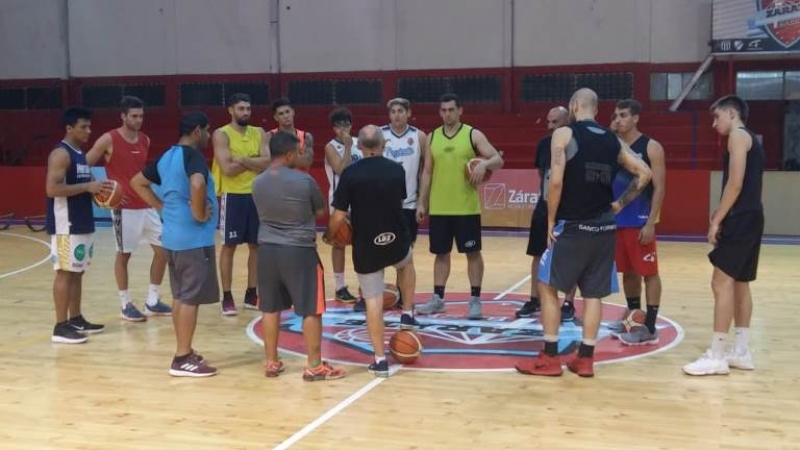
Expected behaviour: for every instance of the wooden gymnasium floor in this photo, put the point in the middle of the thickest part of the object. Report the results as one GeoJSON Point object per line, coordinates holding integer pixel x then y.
{"type": "Point", "coordinates": [114, 392]}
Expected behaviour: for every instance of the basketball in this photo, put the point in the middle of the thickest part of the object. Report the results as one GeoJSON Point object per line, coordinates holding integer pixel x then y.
{"type": "Point", "coordinates": [405, 346]}
{"type": "Point", "coordinates": [343, 236]}
{"type": "Point", "coordinates": [391, 295]}
{"type": "Point", "coordinates": [632, 320]}
{"type": "Point", "coordinates": [471, 164]}
{"type": "Point", "coordinates": [111, 200]}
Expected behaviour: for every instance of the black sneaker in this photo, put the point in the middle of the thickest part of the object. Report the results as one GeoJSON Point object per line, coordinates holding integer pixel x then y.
{"type": "Point", "coordinates": [343, 295]}
{"type": "Point", "coordinates": [81, 325]}
{"type": "Point", "coordinates": [63, 333]}
{"type": "Point", "coordinates": [360, 306]}
{"type": "Point", "coordinates": [408, 322]}
{"type": "Point", "coordinates": [529, 309]}
{"type": "Point", "coordinates": [567, 312]}
{"type": "Point", "coordinates": [251, 301]}
{"type": "Point", "coordinates": [379, 369]}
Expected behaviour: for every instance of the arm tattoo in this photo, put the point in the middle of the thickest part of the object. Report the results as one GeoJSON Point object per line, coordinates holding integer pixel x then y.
{"type": "Point", "coordinates": [633, 191]}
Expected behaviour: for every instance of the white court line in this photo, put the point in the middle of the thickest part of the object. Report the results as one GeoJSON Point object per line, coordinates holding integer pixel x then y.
{"type": "Point", "coordinates": [46, 258]}
{"type": "Point", "coordinates": [306, 430]}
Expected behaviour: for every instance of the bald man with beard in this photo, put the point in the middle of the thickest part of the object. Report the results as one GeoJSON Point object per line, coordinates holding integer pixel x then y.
{"type": "Point", "coordinates": [581, 229]}
{"type": "Point", "coordinates": [537, 238]}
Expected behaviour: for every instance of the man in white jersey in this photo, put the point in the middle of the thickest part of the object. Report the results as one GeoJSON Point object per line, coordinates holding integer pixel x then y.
{"type": "Point", "coordinates": [407, 146]}
{"type": "Point", "coordinates": [340, 152]}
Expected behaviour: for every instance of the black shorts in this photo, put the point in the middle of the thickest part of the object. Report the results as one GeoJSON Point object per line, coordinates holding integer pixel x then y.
{"type": "Point", "coordinates": [290, 276]}
{"type": "Point", "coordinates": [465, 229]}
{"type": "Point", "coordinates": [238, 221]}
{"type": "Point", "coordinates": [410, 217]}
{"type": "Point", "coordinates": [583, 256]}
{"type": "Point", "coordinates": [537, 236]}
{"type": "Point", "coordinates": [193, 275]}
{"type": "Point", "coordinates": [738, 246]}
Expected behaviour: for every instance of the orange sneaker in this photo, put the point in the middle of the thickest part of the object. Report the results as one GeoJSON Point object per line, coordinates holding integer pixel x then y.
{"type": "Point", "coordinates": [543, 365]}
{"type": "Point", "coordinates": [323, 372]}
{"type": "Point", "coordinates": [273, 368]}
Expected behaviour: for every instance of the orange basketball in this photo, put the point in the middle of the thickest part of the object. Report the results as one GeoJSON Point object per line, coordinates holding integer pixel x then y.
{"type": "Point", "coordinates": [343, 236]}
{"type": "Point", "coordinates": [632, 320]}
{"type": "Point", "coordinates": [405, 346]}
{"type": "Point", "coordinates": [474, 162]}
{"type": "Point", "coordinates": [112, 200]}
{"type": "Point", "coordinates": [391, 295]}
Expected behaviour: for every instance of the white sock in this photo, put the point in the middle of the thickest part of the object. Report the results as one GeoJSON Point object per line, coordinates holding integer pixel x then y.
{"type": "Point", "coordinates": [124, 298]}
{"type": "Point", "coordinates": [718, 345]}
{"type": "Point", "coordinates": [339, 279]}
{"type": "Point", "coordinates": [380, 359]}
{"type": "Point", "coordinates": [152, 295]}
{"type": "Point", "coordinates": [410, 312]}
{"type": "Point", "coordinates": [742, 339]}
{"type": "Point", "coordinates": [590, 342]}
{"type": "Point", "coordinates": [550, 338]}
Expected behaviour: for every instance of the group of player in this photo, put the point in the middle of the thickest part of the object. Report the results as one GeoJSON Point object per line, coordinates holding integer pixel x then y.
{"type": "Point", "coordinates": [385, 182]}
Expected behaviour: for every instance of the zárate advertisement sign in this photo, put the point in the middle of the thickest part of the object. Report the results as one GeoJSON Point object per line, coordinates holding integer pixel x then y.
{"type": "Point", "coordinates": [509, 197]}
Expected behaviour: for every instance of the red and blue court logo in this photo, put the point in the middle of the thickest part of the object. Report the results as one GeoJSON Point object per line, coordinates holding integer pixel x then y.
{"type": "Point", "coordinates": [451, 342]}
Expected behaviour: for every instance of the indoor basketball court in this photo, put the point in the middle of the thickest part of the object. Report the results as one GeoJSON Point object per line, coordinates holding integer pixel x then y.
{"type": "Point", "coordinates": [452, 381]}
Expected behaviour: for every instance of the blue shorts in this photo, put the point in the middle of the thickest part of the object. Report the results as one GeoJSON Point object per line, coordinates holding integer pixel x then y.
{"type": "Point", "coordinates": [238, 219]}
{"type": "Point", "coordinates": [583, 256]}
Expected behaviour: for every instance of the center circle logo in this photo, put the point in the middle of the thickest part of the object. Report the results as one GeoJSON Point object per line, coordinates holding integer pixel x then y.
{"type": "Point", "coordinates": [451, 342]}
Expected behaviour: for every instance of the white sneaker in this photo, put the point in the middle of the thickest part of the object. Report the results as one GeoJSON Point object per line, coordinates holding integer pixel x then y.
{"type": "Point", "coordinates": [740, 360]}
{"type": "Point", "coordinates": [707, 365]}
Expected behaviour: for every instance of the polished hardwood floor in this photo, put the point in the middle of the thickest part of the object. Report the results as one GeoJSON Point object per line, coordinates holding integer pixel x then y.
{"type": "Point", "coordinates": [114, 391]}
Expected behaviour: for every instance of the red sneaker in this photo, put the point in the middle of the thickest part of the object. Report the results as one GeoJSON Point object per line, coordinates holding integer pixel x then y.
{"type": "Point", "coordinates": [582, 366]}
{"type": "Point", "coordinates": [273, 368]}
{"type": "Point", "coordinates": [192, 366]}
{"type": "Point", "coordinates": [323, 372]}
{"type": "Point", "coordinates": [543, 365]}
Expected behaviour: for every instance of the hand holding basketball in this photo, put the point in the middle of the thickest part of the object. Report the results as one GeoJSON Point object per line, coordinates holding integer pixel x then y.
{"type": "Point", "coordinates": [109, 194]}
{"type": "Point", "coordinates": [476, 171]}
{"type": "Point", "coordinates": [342, 237]}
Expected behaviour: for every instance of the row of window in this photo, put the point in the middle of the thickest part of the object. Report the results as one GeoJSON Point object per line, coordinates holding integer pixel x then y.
{"type": "Point", "coordinates": [471, 89]}
{"type": "Point", "coordinates": [776, 85]}
{"type": "Point", "coordinates": [768, 85]}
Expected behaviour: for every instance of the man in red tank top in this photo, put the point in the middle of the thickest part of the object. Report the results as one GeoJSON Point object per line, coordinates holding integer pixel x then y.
{"type": "Point", "coordinates": [283, 113]}
{"type": "Point", "coordinates": [125, 152]}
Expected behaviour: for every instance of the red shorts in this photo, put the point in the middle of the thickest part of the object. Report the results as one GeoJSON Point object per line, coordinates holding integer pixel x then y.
{"type": "Point", "coordinates": [634, 257]}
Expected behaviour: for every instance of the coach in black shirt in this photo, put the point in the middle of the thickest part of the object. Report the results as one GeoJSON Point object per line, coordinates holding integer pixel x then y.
{"type": "Point", "coordinates": [373, 189]}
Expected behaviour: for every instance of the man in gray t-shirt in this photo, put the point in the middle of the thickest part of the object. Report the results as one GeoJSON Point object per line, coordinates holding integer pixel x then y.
{"type": "Point", "coordinates": [289, 271]}
{"type": "Point", "coordinates": [287, 201]}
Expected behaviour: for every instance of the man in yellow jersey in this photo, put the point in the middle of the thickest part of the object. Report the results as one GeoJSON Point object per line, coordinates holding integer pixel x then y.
{"type": "Point", "coordinates": [240, 153]}
{"type": "Point", "coordinates": [455, 208]}
{"type": "Point", "coordinates": [283, 113]}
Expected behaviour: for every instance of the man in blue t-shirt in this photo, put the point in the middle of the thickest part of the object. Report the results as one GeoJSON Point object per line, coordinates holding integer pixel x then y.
{"type": "Point", "coordinates": [188, 208]}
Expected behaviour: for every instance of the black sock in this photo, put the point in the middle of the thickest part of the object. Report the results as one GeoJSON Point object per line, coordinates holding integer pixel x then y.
{"type": "Point", "coordinates": [73, 318]}
{"type": "Point", "coordinates": [535, 301]}
{"type": "Point", "coordinates": [634, 303]}
{"type": "Point", "coordinates": [62, 324]}
{"type": "Point", "coordinates": [226, 295]}
{"type": "Point", "coordinates": [586, 351]}
{"type": "Point", "coordinates": [250, 293]}
{"type": "Point", "coordinates": [551, 348]}
{"type": "Point", "coordinates": [475, 291]}
{"type": "Point", "coordinates": [439, 290]}
{"type": "Point", "coordinates": [650, 319]}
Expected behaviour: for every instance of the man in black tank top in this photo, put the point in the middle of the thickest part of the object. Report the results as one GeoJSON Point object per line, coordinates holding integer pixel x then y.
{"type": "Point", "coordinates": [585, 157]}
{"type": "Point", "coordinates": [735, 232]}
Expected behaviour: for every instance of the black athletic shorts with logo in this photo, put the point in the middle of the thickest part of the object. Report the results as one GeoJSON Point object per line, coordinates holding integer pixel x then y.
{"type": "Point", "coordinates": [738, 245]}
{"type": "Point", "coordinates": [582, 255]}
{"type": "Point", "coordinates": [466, 230]}
{"type": "Point", "coordinates": [410, 217]}
{"type": "Point", "coordinates": [537, 236]}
